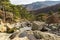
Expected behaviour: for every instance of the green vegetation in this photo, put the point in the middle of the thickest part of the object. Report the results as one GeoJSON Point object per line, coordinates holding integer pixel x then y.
{"type": "Point", "coordinates": [41, 17]}
{"type": "Point", "coordinates": [50, 12]}
{"type": "Point", "coordinates": [18, 11]}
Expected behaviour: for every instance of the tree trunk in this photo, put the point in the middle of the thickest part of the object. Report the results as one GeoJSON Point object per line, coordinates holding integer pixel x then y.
{"type": "Point", "coordinates": [4, 12]}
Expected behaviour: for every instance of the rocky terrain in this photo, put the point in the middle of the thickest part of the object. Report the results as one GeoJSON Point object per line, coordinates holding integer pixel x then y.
{"type": "Point", "coordinates": [16, 23]}
{"type": "Point", "coordinates": [30, 35]}
{"type": "Point", "coordinates": [31, 31]}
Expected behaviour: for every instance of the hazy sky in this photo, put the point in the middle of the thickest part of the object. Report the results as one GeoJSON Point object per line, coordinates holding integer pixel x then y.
{"type": "Point", "coordinates": [27, 1]}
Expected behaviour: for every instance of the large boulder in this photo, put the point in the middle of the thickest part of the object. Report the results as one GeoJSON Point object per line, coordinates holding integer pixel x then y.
{"type": "Point", "coordinates": [4, 36]}
{"type": "Point", "coordinates": [26, 35]}
{"type": "Point", "coordinates": [45, 36]}
{"type": "Point", "coordinates": [3, 28]}
{"type": "Point", "coordinates": [26, 23]}
{"type": "Point", "coordinates": [36, 25]}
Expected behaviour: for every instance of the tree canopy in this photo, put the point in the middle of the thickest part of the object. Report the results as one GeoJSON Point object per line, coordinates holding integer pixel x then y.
{"type": "Point", "coordinates": [18, 11]}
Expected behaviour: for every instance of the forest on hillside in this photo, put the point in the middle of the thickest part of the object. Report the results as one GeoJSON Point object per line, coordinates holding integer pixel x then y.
{"type": "Point", "coordinates": [15, 11]}
{"type": "Point", "coordinates": [10, 12]}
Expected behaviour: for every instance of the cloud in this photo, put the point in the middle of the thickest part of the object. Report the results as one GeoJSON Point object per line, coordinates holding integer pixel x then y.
{"type": "Point", "coordinates": [52, 0]}
{"type": "Point", "coordinates": [24, 1]}
{"type": "Point", "coordinates": [27, 1]}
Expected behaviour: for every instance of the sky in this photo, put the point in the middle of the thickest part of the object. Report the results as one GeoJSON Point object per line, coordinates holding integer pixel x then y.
{"type": "Point", "coordinates": [27, 1]}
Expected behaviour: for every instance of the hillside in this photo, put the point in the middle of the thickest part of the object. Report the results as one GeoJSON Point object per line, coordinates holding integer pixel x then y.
{"type": "Point", "coordinates": [39, 5]}
{"type": "Point", "coordinates": [53, 8]}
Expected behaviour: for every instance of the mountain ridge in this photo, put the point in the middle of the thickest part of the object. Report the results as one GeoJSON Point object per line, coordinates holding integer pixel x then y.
{"type": "Point", "coordinates": [53, 8]}
{"type": "Point", "coordinates": [38, 5]}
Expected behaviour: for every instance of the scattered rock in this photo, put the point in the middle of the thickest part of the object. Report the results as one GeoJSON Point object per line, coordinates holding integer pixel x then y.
{"type": "Point", "coordinates": [30, 35]}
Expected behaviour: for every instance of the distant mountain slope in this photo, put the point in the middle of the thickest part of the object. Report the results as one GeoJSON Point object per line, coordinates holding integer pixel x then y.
{"type": "Point", "coordinates": [38, 5]}
{"type": "Point", "coordinates": [53, 8]}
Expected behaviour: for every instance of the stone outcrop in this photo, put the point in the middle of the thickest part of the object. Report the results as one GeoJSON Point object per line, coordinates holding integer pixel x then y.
{"type": "Point", "coordinates": [25, 32]}
{"type": "Point", "coordinates": [35, 35]}
{"type": "Point", "coordinates": [3, 29]}
{"type": "Point", "coordinates": [36, 25]}
{"type": "Point", "coordinates": [45, 36]}
{"type": "Point", "coordinates": [4, 36]}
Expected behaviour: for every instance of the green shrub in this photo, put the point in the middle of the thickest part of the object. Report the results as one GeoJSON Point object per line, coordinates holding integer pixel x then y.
{"type": "Point", "coordinates": [10, 30]}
